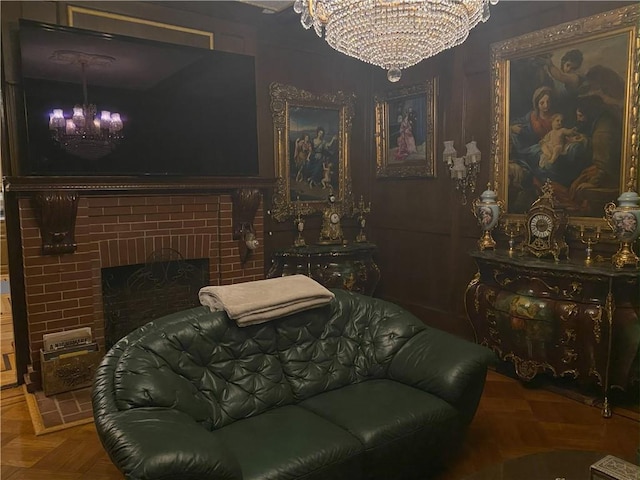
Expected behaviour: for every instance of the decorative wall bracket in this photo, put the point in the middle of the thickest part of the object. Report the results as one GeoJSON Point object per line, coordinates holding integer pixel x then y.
{"type": "Point", "coordinates": [56, 216]}
{"type": "Point", "coordinates": [245, 205]}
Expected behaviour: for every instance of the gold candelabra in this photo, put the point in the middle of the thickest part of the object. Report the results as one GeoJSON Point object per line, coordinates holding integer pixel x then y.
{"type": "Point", "coordinates": [361, 210]}
{"type": "Point", "coordinates": [512, 230]}
{"type": "Point", "coordinates": [298, 221]}
{"type": "Point", "coordinates": [589, 236]}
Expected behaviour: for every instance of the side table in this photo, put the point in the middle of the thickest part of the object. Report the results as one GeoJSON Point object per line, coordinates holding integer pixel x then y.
{"type": "Point", "coordinates": [350, 267]}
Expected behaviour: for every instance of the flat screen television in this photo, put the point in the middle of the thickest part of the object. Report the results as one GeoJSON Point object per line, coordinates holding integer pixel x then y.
{"type": "Point", "coordinates": [181, 111]}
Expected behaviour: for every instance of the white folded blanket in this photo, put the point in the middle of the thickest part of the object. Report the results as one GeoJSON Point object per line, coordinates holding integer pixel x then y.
{"type": "Point", "coordinates": [255, 302]}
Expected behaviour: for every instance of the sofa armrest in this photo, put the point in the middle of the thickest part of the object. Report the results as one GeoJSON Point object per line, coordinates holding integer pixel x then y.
{"type": "Point", "coordinates": [449, 367]}
{"type": "Point", "coordinates": [163, 444]}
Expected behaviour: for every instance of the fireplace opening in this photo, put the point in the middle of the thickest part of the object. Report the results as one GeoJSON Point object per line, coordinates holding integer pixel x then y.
{"type": "Point", "coordinates": [136, 294]}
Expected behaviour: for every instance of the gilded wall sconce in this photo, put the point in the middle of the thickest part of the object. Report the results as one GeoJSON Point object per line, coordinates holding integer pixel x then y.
{"type": "Point", "coordinates": [464, 170]}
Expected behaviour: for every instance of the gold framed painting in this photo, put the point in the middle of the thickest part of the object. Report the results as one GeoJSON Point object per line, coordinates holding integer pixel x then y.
{"type": "Point", "coordinates": [406, 131]}
{"type": "Point", "coordinates": [312, 136]}
{"type": "Point", "coordinates": [565, 108]}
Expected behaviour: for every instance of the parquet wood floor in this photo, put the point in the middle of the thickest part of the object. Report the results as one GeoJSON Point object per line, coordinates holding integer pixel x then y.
{"type": "Point", "coordinates": [512, 420]}
{"type": "Point", "coordinates": [7, 376]}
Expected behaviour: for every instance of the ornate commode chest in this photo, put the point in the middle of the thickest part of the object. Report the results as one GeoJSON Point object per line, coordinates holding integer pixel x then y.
{"type": "Point", "coordinates": [563, 318]}
{"type": "Point", "coordinates": [350, 267]}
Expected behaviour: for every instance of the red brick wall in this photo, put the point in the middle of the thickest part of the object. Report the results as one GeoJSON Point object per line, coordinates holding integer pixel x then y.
{"type": "Point", "coordinates": [64, 291]}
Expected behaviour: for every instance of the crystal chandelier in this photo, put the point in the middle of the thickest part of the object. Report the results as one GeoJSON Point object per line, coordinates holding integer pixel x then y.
{"type": "Point", "coordinates": [392, 34]}
{"type": "Point", "coordinates": [85, 133]}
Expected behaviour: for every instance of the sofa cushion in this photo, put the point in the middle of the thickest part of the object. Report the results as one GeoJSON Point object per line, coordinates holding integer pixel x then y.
{"type": "Point", "coordinates": [351, 340]}
{"type": "Point", "coordinates": [292, 443]}
{"type": "Point", "coordinates": [204, 366]}
{"type": "Point", "coordinates": [393, 421]}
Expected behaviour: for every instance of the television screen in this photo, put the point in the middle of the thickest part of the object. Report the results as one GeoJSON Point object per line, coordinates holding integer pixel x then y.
{"type": "Point", "coordinates": [102, 104]}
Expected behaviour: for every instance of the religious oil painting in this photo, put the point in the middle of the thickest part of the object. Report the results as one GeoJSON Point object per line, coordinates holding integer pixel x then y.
{"type": "Point", "coordinates": [405, 131]}
{"type": "Point", "coordinates": [313, 152]}
{"type": "Point", "coordinates": [563, 102]}
{"type": "Point", "coordinates": [312, 136]}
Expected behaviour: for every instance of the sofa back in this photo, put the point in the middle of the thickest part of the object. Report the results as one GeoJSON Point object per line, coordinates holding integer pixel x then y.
{"type": "Point", "coordinates": [201, 363]}
{"type": "Point", "coordinates": [351, 340]}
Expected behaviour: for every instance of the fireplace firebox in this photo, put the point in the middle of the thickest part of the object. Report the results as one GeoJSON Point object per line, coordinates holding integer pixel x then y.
{"type": "Point", "coordinates": [136, 294]}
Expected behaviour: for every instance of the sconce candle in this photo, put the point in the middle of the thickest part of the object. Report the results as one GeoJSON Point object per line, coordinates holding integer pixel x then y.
{"type": "Point", "coordinates": [473, 154]}
{"type": "Point", "coordinates": [449, 154]}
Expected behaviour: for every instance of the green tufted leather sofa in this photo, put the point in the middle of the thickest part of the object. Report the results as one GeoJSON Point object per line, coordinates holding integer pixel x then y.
{"type": "Point", "coordinates": [357, 389]}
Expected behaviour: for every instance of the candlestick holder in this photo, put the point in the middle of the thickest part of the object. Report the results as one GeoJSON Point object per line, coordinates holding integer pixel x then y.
{"type": "Point", "coordinates": [589, 236]}
{"type": "Point", "coordinates": [298, 221]}
{"type": "Point", "coordinates": [362, 211]}
{"type": "Point", "coordinates": [513, 231]}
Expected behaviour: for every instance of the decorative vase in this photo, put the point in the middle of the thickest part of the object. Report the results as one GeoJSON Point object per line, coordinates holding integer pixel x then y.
{"type": "Point", "coordinates": [624, 220]}
{"type": "Point", "coordinates": [487, 211]}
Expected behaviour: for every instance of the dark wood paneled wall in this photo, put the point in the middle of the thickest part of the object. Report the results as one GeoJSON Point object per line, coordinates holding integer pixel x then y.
{"type": "Point", "coordinates": [420, 226]}
{"type": "Point", "coordinates": [422, 230]}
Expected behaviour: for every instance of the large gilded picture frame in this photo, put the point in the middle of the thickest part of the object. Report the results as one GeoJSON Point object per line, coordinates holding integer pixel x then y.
{"type": "Point", "coordinates": [565, 108]}
{"type": "Point", "coordinates": [406, 131]}
{"type": "Point", "coordinates": [312, 137]}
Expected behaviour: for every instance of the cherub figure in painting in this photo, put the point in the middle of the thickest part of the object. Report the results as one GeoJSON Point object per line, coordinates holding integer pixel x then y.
{"type": "Point", "coordinates": [555, 142]}
{"type": "Point", "coordinates": [326, 175]}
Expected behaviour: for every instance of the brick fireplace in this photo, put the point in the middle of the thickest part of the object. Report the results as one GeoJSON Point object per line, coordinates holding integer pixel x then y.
{"type": "Point", "coordinates": [64, 291]}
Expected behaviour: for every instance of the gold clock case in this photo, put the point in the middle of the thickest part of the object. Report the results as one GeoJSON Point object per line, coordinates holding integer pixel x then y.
{"type": "Point", "coordinates": [554, 243]}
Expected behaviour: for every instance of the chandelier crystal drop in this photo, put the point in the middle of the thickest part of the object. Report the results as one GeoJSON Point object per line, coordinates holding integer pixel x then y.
{"type": "Point", "coordinates": [84, 132]}
{"type": "Point", "coordinates": [392, 34]}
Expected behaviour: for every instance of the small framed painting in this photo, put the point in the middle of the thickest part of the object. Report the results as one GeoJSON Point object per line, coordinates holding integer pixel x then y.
{"type": "Point", "coordinates": [406, 131]}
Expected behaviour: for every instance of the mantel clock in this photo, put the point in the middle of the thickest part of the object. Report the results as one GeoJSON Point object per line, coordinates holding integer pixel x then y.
{"type": "Point", "coordinates": [546, 224]}
{"type": "Point", "coordinates": [331, 231]}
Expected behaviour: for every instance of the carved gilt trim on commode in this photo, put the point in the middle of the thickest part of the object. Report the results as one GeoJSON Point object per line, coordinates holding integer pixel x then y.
{"type": "Point", "coordinates": [596, 318]}
{"type": "Point", "coordinates": [595, 373]}
{"type": "Point", "coordinates": [569, 356]}
{"type": "Point", "coordinates": [576, 287]}
{"type": "Point", "coordinates": [492, 328]}
{"type": "Point", "coordinates": [568, 337]}
{"type": "Point", "coordinates": [528, 369]}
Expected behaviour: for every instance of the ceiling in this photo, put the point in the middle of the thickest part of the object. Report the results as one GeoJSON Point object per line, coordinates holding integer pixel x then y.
{"type": "Point", "coordinates": [269, 6]}
{"type": "Point", "coordinates": [251, 12]}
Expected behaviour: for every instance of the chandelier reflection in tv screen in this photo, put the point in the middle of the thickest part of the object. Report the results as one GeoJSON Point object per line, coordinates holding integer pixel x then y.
{"type": "Point", "coordinates": [392, 34]}
{"type": "Point", "coordinates": [84, 132]}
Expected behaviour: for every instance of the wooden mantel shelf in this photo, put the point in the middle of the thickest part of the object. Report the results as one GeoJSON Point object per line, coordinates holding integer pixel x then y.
{"type": "Point", "coordinates": [55, 200]}
{"type": "Point", "coordinates": [151, 184]}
